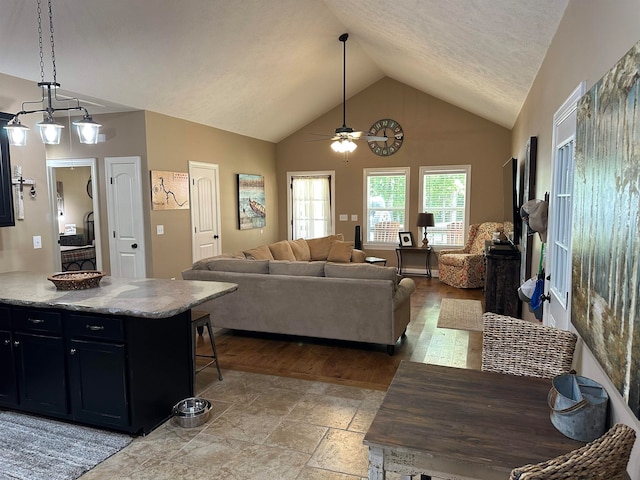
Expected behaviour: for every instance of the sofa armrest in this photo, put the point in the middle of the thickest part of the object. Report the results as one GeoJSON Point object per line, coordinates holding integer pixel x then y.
{"type": "Point", "coordinates": [405, 288]}
{"type": "Point", "coordinates": [358, 256]}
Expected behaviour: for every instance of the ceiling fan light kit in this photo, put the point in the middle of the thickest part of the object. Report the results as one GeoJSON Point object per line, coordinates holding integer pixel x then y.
{"type": "Point", "coordinates": [50, 129]}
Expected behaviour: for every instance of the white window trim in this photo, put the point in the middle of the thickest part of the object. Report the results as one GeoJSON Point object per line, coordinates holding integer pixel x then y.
{"type": "Point", "coordinates": [467, 206]}
{"type": "Point", "coordinates": [319, 173]}
{"type": "Point", "coordinates": [365, 220]}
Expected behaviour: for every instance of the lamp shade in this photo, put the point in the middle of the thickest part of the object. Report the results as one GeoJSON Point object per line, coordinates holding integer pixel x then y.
{"type": "Point", "coordinates": [425, 220]}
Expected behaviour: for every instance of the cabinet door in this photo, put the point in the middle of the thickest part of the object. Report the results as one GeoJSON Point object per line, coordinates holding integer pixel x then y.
{"type": "Point", "coordinates": [98, 383]}
{"type": "Point", "coordinates": [8, 382]}
{"type": "Point", "coordinates": [41, 373]}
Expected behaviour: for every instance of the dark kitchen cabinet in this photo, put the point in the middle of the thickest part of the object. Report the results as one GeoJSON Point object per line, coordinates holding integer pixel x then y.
{"type": "Point", "coordinates": [39, 358]}
{"type": "Point", "coordinates": [118, 372]}
{"type": "Point", "coordinates": [6, 194]}
{"type": "Point", "coordinates": [97, 370]}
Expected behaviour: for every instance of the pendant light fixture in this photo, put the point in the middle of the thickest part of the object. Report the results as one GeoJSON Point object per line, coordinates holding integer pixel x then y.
{"type": "Point", "coordinates": [50, 129]}
{"type": "Point", "coordinates": [343, 141]}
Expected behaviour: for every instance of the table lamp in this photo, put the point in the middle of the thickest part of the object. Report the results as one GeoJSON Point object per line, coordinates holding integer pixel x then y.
{"type": "Point", "coordinates": [425, 220]}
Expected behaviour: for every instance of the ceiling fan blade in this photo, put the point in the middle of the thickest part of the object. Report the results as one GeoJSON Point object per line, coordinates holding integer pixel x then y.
{"type": "Point", "coordinates": [371, 138]}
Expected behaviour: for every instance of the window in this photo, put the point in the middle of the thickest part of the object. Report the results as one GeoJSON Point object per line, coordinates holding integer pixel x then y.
{"type": "Point", "coordinates": [386, 202]}
{"type": "Point", "coordinates": [444, 191]}
{"type": "Point", "coordinates": [310, 204]}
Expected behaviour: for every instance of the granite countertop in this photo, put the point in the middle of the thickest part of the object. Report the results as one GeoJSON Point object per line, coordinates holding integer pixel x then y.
{"type": "Point", "coordinates": [143, 297]}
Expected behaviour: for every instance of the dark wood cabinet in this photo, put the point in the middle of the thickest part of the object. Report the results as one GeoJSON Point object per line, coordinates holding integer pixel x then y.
{"type": "Point", "coordinates": [502, 279]}
{"type": "Point", "coordinates": [6, 195]}
{"type": "Point", "coordinates": [103, 370]}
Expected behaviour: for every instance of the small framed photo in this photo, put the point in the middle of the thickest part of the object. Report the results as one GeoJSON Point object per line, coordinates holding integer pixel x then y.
{"type": "Point", "coordinates": [406, 239]}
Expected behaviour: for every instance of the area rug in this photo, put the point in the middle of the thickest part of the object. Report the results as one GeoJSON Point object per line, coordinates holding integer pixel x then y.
{"type": "Point", "coordinates": [460, 314]}
{"type": "Point", "coordinates": [33, 448]}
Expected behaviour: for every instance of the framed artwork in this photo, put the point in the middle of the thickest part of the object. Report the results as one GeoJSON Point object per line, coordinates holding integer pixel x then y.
{"type": "Point", "coordinates": [169, 190]}
{"type": "Point", "coordinates": [406, 239]}
{"type": "Point", "coordinates": [606, 226]}
{"type": "Point", "coordinates": [252, 212]}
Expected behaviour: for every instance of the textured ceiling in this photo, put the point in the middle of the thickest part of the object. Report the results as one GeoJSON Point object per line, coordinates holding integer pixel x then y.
{"type": "Point", "coordinates": [265, 69]}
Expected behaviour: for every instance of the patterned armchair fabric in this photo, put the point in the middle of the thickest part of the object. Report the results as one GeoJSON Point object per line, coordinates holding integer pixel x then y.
{"type": "Point", "coordinates": [465, 268]}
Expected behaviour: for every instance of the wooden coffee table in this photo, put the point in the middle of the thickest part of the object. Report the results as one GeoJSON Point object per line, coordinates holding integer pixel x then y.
{"type": "Point", "coordinates": [461, 424]}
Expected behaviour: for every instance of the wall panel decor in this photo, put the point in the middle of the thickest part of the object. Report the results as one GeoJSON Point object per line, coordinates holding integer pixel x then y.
{"type": "Point", "coordinates": [606, 212]}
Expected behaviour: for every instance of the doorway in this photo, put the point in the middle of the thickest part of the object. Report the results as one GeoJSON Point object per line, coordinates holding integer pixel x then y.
{"type": "Point", "coordinates": [73, 198]}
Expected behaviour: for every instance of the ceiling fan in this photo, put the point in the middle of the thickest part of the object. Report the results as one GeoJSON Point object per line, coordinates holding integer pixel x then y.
{"type": "Point", "coordinates": [343, 138]}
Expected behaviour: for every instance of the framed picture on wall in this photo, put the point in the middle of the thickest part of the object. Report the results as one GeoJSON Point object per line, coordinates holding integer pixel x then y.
{"type": "Point", "coordinates": [406, 239]}
{"type": "Point", "coordinates": [252, 212]}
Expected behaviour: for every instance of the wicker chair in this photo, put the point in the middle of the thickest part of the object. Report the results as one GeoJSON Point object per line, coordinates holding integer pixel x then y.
{"type": "Point", "coordinates": [605, 458]}
{"type": "Point", "coordinates": [520, 347]}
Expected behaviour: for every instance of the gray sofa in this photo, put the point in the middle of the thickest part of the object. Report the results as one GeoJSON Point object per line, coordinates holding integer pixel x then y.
{"type": "Point", "coordinates": [344, 301]}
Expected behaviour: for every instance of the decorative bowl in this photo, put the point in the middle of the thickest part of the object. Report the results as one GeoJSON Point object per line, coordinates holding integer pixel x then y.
{"type": "Point", "coordinates": [78, 280]}
{"type": "Point", "coordinates": [191, 412]}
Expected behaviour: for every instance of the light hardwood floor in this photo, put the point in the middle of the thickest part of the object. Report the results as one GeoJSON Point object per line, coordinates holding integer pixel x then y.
{"type": "Point", "coordinates": [292, 408]}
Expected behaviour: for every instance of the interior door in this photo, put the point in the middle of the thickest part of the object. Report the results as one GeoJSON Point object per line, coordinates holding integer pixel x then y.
{"type": "Point", "coordinates": [125, 217]}
{"type": "Point", "coordinates": [204, 196]}
{"type": "Point", "coordinates": [558, 264]}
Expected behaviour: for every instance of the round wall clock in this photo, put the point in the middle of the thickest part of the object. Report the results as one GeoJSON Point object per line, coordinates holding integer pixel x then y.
{"type": "Point", "coordinates": [389, 137]}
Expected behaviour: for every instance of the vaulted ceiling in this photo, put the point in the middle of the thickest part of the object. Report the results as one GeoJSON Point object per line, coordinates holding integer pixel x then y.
{"type": "Point", "coordinates": [266, 68]}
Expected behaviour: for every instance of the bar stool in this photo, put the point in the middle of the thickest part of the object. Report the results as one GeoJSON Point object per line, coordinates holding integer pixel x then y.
{"type": "Point", "coordinates": [199, 320]}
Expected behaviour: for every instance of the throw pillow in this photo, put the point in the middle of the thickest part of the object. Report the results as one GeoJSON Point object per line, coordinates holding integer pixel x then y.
{"type": "Point", "coordinates": [300, 249]}
{"type": "Point", "coordinates": [340, 252]}
{"type": "Point", "coordinates": [259, 253]}
{"type": "Point", "coordinates": [282, 251]}
{"type": "Point", "coordinates": [319, 247]}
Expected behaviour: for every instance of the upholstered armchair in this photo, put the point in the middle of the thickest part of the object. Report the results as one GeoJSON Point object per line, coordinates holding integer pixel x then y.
{"type": "Point", "coordinates": [465, 268]}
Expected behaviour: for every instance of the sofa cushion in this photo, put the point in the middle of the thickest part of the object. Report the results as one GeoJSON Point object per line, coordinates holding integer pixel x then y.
{"type": "Point", "coordinates": [297, 268]}
{"type": "Point", "coordinates": [259, 253]}
{"type": "Point", "coordinates": [340, 252]}
{"type": "Point", "coordinates": [282, 251]}
{"type": "Point", "coordinates": [237, 265]}
{"type": "Point", "coordinates": [360, 270]}
{"type": "Point", "coordinates": [319, 247]}
{"type": "Point", "coordinates": [300, 249]}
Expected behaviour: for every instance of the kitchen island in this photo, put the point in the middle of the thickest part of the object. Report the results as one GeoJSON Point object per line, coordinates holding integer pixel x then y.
{"type": "Point", "coordinates": [117, 356]}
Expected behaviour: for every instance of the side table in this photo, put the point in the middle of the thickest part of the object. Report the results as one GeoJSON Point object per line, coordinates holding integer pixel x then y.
{"type": "Point", "coordinates": [426, 251]}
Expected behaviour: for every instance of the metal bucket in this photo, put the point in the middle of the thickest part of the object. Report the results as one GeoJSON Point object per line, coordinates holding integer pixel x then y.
{"type": "Point", "coordinates": [578, 407]}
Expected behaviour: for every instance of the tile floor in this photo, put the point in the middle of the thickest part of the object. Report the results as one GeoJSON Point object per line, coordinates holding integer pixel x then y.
{"type": "Point", "coordinates": [262, 427]}
{"type": "Point", "coordinates": [277, 428]}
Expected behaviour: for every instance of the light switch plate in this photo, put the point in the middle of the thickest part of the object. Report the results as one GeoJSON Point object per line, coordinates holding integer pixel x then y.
{"type": "Point", "coordinates": [354, 217]}
{"type": "Point", "coordinates": [37, 241]}
{"type": "Point", "coordinates": [160, 229]}
{"type": "Point", "coordinates": [344, 217]}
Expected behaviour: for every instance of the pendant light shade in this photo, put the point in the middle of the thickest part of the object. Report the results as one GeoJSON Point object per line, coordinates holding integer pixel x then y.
{"type": "Point", "coordinates": [87, 130]}
{"type": "Point", "coordinates": [17, 133]}
{"type": "Point", "coordinates": [50, 131]}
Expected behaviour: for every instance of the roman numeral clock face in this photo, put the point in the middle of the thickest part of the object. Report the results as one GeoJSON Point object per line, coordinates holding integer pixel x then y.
{"type": "Point", "coordinates": [390, 137]}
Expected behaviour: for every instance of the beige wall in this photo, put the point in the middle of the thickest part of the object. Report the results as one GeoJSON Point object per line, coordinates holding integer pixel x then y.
{"type": "Point", "coordinates": [16, 243]}
{"type": "Point", "coordinates": [436, 133]}
{"type": "Point", "coordinates": [592, 37]}
{"type": "Point", "coordinates": [171, 144]}
{"type": "Point", "coordinates": [124, 136]}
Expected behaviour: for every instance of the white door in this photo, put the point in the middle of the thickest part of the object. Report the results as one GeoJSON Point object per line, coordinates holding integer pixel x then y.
{"type": "Point", "coordinates": [204, 196]}
{"type": "Point", "coordinates": [125, 217]}
{"type": "Point", "coordinates": [558, 264]}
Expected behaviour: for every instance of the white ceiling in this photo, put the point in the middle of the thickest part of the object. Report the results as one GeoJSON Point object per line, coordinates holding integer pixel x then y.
{"type": "Point", "coordinates": [266, 68]}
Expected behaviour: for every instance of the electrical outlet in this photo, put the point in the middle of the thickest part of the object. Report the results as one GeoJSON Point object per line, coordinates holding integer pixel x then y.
{"type": "Point", "coordinates": [37, 241]}
{"type": "Point", "coordinates": [160, 229]}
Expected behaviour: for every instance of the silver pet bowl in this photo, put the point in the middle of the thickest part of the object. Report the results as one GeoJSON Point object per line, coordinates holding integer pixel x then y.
{"type": "Point", "coordinates": [191, 412]}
